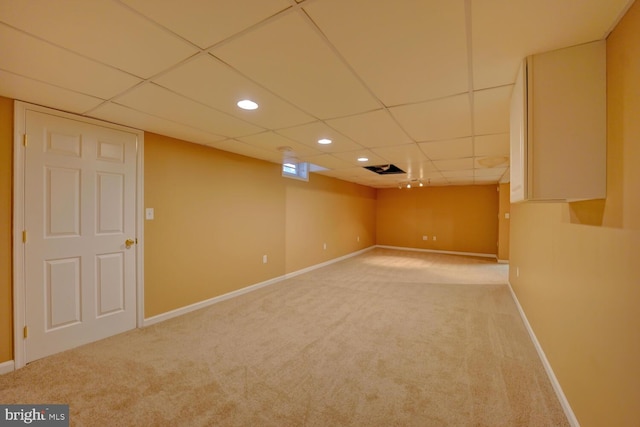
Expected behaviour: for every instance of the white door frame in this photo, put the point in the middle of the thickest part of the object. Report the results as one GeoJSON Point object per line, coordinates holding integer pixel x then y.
{"type": "Point", "coordinates": [19, 301]}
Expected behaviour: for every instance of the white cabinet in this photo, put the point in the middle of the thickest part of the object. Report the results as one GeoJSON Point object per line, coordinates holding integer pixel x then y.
{"type": "Point", "coordinates": [558, 126]}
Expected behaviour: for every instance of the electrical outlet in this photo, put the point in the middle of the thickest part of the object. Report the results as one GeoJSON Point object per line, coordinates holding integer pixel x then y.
{"type": "Point", "coordinates": [324, 246]}
{"type": "Point", "coordinates": [434, 238]}
{"type": "Point", "coordinates": [425, 237]}
{"type": "Point", "coordinates": [358, 239]}
{"type": "Point", "coordinates": [148, 213]}
{"type": "Point", "coordinates": [264, 259]}
{"type": "Point", "coordinates": [517, 271]}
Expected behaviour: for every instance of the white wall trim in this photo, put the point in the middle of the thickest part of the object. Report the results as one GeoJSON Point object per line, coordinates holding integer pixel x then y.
{"type": "Point", "coordinates": [547, 366]}
{"type": "Point", "coordinates": [206, 303]}
{"type": "Point", "coordinates": [503, 261]}
{"type": "Point", "coordinates": [6, 367]}
{"type": "Point", "coordinates": [140, 218]}
{"type": "Point", "coordinates": [19, 127]}
{"type": "Point", "coordinates": [400, 248]}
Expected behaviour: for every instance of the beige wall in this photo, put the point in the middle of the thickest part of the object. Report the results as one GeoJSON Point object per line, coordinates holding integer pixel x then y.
{"type": "Point", "coordinates": [504, 208]}
{"type": "Point", "coordinates": [6, 153]}
{"type": "Point", "coordinates": [217, 214]}
{"type": "Point", "coordinates": [463, 218]}
{"type": "Point", "coordinates": [578, 264]}
{"type": "Point", "coordinates": [330, 211]}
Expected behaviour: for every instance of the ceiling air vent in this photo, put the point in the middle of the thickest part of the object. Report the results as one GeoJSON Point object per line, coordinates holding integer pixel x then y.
{"type": "Point", "coordinates": [385, 169]}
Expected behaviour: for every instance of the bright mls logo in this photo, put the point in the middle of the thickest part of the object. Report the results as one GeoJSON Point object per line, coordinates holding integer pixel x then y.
{"type": "Point", "coordinates": [36, 415]}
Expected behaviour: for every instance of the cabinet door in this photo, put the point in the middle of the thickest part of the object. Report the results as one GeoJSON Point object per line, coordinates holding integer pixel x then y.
{"type": "Point", "coordinates": [567, 126]}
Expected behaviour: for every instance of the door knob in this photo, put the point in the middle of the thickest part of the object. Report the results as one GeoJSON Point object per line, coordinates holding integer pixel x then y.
{"type": "Point", "coordinates": [129, 242]}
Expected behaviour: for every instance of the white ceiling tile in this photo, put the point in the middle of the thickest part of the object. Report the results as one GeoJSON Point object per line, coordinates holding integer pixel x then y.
{"type": "Point", "coordinates": [100, 29]}
{"type": "Point", "coordinates": [207, 80]}
{"type": "Point", "coordinates": [373, 129]}
{"type": "Point", "coordinates": [327, 161]}
{"type": "Point", "coordinates": [446, 118]}
{"type": "Point", "coordinates": [491, 145]}
{"type": "Point", "coordinates": [274, 142]}
{"type": "Point", "coordinates": [289, 57]}
{"type": "Point", "coordinates": [434, 176]}
{"type": "Point", "coordinates": [491, 109]}
{"type": "Point", "coordinates": [451, 149]}
{"type": "Point", "coordinates": [454, 164]}
{"type": "Point", "coordinates": [309, 134]}
{"type": "Point", "coordinates": [163, 103]}
{"type": "Point", "coordinates": [239, 147]}
{"type": "Point", "coordinates": [489, 172]}
{"type": "Point", "coordinates": [129, 117]}
{"type": "Point", "coordinates": [401, 153]}
{"type": "Point", "coordinates": [419, 169]}
{"type": "Point", "coordinates": [458, 174]}
{"type": "Point", "coordinates": [209, 21]}
{"type": "Point", "coordinates": [30, 57]}
{"type": "Point", "coordinates": [405, 50]}
{"type": "Point", "coordinates": [25, 89]}
{"type": "Point", "coordinates": [491, 161]}
{"type": "Point", "coordinates": [353, 156]}
{"type": "Point", "coordinates": [427, 181]}
{"type": "Point", "coordinates": [505, 31]}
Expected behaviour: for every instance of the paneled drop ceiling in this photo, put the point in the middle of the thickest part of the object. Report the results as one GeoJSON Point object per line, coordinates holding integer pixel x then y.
{"type": "Point", "coordinates": [422, 84]}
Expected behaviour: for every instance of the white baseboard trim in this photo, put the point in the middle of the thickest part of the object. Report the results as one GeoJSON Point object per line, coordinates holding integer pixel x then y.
{"type": "Point", "coordinates": [324, 264]}
{"type": "Point", "coordinates": [573, 421]}
{"type": "Point", "coordinates": [6, 367]}
{"type": "Point", "coordinates": [400, 248]}
{"type": "Point", "coordinates": [206, 303]}
{"type": "Point", "coordinates": [202, 304]}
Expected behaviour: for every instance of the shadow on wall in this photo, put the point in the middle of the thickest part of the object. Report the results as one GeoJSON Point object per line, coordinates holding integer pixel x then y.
{"type": "Point", "coordinates": [587, 212]}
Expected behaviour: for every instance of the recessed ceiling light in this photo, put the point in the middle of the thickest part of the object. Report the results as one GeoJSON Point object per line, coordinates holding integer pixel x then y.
{"type": "Point", "coordinates": [247, 104]}
{"type": "Point", "coordinates": [363, 159]}
{"type": "Point", "coordinates": [324, 141]}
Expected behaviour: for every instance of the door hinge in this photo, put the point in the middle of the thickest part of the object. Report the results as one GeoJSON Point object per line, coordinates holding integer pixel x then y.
{"type": "Point", "coordinates": [24, 236]}
{"type": "Point", "coordinates": [25, 139]}
{"type": "Point", "coordinates": [25, 332]}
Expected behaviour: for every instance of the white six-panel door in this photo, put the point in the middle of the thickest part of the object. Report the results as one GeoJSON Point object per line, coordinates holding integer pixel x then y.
{"type": "Point", "coordinates": [79, 211]}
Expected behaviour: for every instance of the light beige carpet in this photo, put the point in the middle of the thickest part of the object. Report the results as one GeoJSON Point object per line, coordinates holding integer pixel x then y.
{"type": "Point", "coordinates": [387, 338]}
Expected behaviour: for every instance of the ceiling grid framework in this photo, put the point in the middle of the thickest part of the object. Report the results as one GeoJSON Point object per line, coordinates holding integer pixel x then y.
{"type": "Point", "coordinates": [423, 85]}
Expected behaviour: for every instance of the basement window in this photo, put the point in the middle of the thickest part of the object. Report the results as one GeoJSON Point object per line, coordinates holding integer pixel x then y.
{"type": "Point", "coordinates": [296, 170]}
